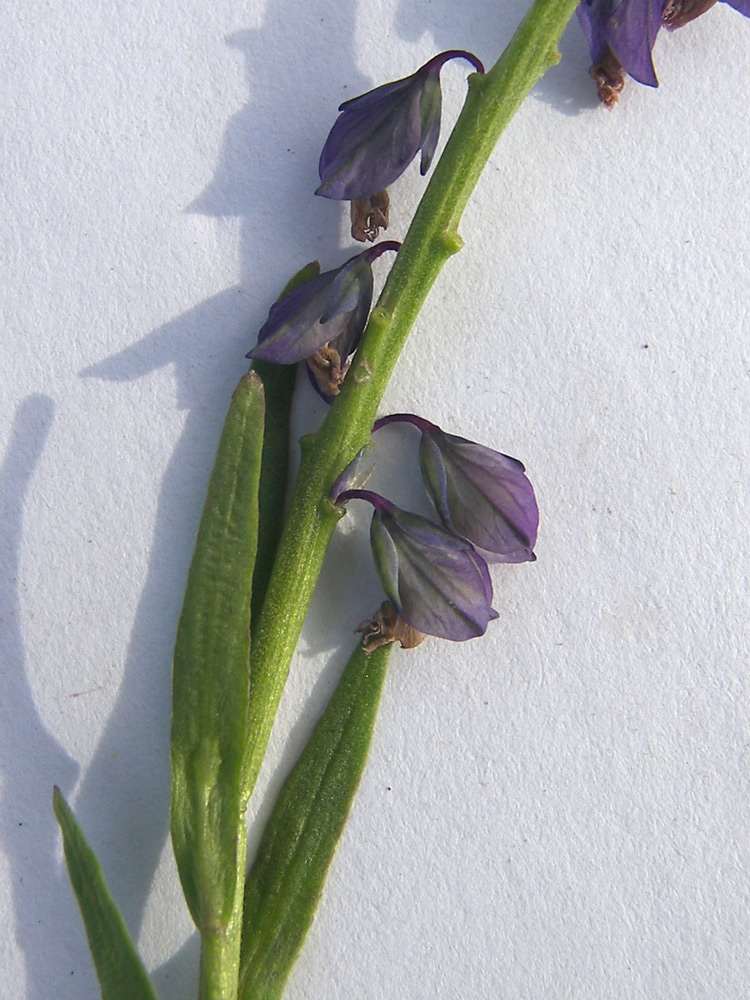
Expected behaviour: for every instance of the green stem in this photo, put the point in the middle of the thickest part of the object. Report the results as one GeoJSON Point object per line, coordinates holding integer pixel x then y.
{"type": "Point", "coordinates": [220, 954]}
{"type": "Point", "coordinates": [432, 238]}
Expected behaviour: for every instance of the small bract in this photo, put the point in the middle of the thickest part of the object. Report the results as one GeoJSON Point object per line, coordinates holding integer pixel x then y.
{"type": "Point", "coordinates": [437, 582]}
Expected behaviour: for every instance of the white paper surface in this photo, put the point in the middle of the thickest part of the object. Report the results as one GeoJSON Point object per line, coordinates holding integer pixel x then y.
{"type": "Point", "coordinates": [557, 810]}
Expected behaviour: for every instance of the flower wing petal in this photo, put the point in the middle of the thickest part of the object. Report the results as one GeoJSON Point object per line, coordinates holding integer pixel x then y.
{"type": "Point", "coordinates": [592, 16]}
{"type": "Point", "coordinates": [435, 580]}
{"type": "Point", "coordinates": [631, 32]}
{"type": "Point", "coordinates": [481, 494]}
{"type": "Point", "coordinates": [352, 285]}
{"type": "Point", "coordinates": [372, 142]}
{"type": "Point", "coordinates": [430, 107]}
{"type": "Point", "coordinates": [293, 330]}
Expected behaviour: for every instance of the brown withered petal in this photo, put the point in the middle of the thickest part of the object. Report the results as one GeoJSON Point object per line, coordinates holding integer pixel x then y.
{"type": "Point", "coordinates": [386, 626]}
{"type": "Point", "coordinates": [369, 216]}
{"type": "Point", "coordinates": [328, 370]}
{"type": "Point", "coordinates": [609, 77]}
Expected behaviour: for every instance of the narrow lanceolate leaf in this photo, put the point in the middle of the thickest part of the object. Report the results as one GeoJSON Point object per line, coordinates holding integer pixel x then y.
{"type": "Point", "coordinates": [120, 970]}
{"type": "Point", "coordinates": [210, 679]}
{"type": "Point", "coordinates": [278, 383]}
{"type": "Point", "coordinates": [287, 877]}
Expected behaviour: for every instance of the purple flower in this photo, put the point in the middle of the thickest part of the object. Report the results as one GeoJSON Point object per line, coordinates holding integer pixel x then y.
{"type": "Point", "coordinates": [621, 36]}
{"type": "Point", "coordinates": [435, 580]}
{"type": "Point", "coordinates": [378, 134]}
{"type": "Point", "coordinates": [323, 318]}
{"type": "Point", "coordinates": [478, 493]}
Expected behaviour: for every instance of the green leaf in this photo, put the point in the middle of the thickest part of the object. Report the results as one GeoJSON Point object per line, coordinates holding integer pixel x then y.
{"type": "Point", "coordinates": [210, 679]}
{"type": "Point", "coordinates": [298, 844]}
{"type": "Point", "coordinates": [120, 970]}
{"type": "Point", "coordinates": [278, 382]}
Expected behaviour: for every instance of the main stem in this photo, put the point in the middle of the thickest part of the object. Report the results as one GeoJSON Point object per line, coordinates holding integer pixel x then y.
{"type": "Point", "coordinates": [220, 949]}
{"type": "Point", "coordinates": [433, 237]}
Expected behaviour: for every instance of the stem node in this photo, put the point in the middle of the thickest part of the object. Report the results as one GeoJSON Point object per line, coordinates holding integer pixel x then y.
{"type": "Point", "coordinates": [452, 242]}
{"type": "Point", "coordinates": [380, 316]}
{"type": "Point", "coordinates": [333, 509]}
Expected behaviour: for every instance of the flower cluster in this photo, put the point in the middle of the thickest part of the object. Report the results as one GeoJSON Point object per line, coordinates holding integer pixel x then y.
{"type": "Point", "coordinates": [373, 141]}
{"type": "Point", "coordinates": [621, 36]}
{"type": "Point", "coordinates": [436, 576]}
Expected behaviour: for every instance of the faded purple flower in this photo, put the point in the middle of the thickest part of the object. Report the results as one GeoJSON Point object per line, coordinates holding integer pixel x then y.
{"type": "Point", "coordinates": [478, 493]}
{"type": "Point", "coordinates": [322, 319]}
{"type": "Point", "coordinates": [378, 134]}
{"type": "Point", "coordinates": [621, 37]}
{"type": "Point", "coordinates": [435, 580]}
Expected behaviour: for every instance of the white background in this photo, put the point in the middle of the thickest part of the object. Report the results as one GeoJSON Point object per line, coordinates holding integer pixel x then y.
{"type": "Point", "coordinates": [557, 810]}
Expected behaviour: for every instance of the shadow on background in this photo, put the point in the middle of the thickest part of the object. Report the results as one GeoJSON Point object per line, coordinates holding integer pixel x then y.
{"type": "Point", "coordinates": [32, 760]}
{"type": "Point", "coordinates": [487, 29]}
{"type": "Point", "coordinates": [206, 347]}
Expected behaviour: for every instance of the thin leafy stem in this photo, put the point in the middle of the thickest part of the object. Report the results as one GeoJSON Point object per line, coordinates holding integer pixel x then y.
{"type": "Point", "coordinates": [432, 238]}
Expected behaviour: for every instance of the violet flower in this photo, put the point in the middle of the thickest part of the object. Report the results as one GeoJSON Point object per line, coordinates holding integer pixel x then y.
{"type": "Point", "coordinates": [479, 493]}
{"type": "Point", "coordinates": [376, 137]}
{"type": "Point", "coordinates": [322, 320]}
{"type": "Point", "coordinates": [621, 36]}
{"type": "Point", "coordinates": [435, 580]}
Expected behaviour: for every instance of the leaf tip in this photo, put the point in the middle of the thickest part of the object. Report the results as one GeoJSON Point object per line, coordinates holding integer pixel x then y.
{"type": "Point", "coordinates": [58, 800]}
{"type": "Point", "coordinates": [253, 378]}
